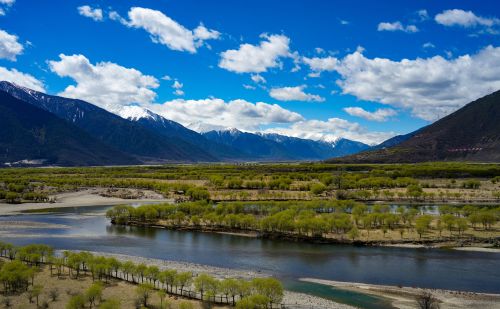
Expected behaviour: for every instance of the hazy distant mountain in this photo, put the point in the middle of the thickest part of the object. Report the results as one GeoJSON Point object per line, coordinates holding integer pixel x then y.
{"type": "Point", "coordinates": [269, 146]}
{"type": "Point", "coordinates": [252, 145]}
{"type": "Point", "coordinates": [172, 129]}
{"type": "Point", "coordinates": [472, 133]}
{"type": "Point", "coordinates": [29, 135]}
{"type": "Point", "coordinates": [124, 135]}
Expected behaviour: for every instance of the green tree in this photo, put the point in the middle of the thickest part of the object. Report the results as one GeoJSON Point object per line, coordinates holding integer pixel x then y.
{"type": "Point", "coordinates": [94, 293]}
{"type": "Point", "coordinates": [76, 302]}
{"type": "Point", "coordinates": [144, 291]}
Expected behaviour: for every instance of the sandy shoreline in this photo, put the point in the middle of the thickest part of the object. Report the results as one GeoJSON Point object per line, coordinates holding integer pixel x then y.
{"type": "Point", "coordinates": [477, 248]}
{"type": "Point", "coordinates": [291, 298]}
{"type": "Point", "coordinates": [82, 198]}
{"type": "Point", "coordinates": [404, 297]}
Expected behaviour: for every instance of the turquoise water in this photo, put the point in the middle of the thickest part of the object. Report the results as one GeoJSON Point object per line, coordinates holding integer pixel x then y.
{"type": "Point", "coordinates": [338, 295]}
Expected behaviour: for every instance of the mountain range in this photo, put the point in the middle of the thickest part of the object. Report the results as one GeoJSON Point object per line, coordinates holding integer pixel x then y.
{"type": "Point", "coordinates": [135, 136]}
{"type": "Point", "coordinates": [471, 133]}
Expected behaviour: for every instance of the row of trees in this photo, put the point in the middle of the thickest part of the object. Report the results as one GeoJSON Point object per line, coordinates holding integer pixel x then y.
{"type": "Point", "coordinates": [315, 219]}
{"type": "Point", "coordinates": [16, 276]}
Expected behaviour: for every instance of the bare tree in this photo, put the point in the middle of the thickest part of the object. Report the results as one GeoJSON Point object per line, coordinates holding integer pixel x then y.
{"type": "Point", "coordinates": [426, 300]}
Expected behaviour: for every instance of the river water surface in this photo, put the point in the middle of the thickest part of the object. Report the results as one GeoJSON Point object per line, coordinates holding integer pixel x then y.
{"type": "Point", "coordinates": [88, 229]}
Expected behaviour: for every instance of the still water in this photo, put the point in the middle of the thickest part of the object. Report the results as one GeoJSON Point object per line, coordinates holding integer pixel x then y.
{"type": "Point", "coordinates": [88, 229]}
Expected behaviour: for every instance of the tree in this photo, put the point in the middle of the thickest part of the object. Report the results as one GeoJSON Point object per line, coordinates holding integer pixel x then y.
{"type": "Point", "coordinates": [253, 302]}
{"type": "Point", "coordinates": [353, 233]}
{"type": "Point", "coordinates": [203, 282]}
{"type": "Point", "coordinates": [94, 293]}
{"type": "Point", "coordinates": [36, 290]}
{"type": "Point", "coordinates": [161, 294]}
{"type": "Point", "coordinates": [426, 300]}
{"type": "Point", "coordinates": [54, 294]}
{"type": "Point", "coordinates": [183, 279]}
{"type": "Point", "coordinates": [422, 224]}
{"type": "Point", "coordinates": [270, 288]}
{"type": "Point", "coordinates": [76, 302]}
{"type": "Point", "coordinates": [110, 304]}
{"type": "Point", "coordinates": [144, 291]}
{"type": "Point", "coordinates": [230, 287]}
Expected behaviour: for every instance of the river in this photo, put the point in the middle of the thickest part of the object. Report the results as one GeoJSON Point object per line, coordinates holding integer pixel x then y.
{"type": "Point", "coordinates": [88, 229]}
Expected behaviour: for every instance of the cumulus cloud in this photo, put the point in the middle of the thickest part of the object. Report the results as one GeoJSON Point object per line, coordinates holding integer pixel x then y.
{"type": "Point", "coordinates": [318, 64]}
{"type": "Point", "coordinates": [332, 129]}
{"type": "Point", "coordinates": [429, 87]}
{"type": "Point", "coordinates": [380, 114]}
{"type": "Point", "coordinates": [294, 94]}
{"type": "Point", "coordinates": [87, 11]}
{"type": "Point", "coordinates": [10, 48]}
{"type": "Point", "coordinates": [21, 79]}
{"type": "Point", "coordinates": [105, 84]}
{"type": "Point", "coordinates": [256, 58]}
{"type": "Point", "coordinates": [464, 19]}
{"type": "Point", "coordinates": [396, 26]}
{"type": "Point", "coordinates": [216, 112]}
{"type": "Point", "coordinates": [166, 31]}
{"type": "Point", "coordinates": [257, 78]}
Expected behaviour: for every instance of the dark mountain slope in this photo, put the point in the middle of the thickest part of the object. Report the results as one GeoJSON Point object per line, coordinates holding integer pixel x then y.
{"type": "Point", "coordinates": [111, 129]}
{"type": "Point", "coordinates": [29, 133]}
{"type": "Point", "coordinates": [472, 133]}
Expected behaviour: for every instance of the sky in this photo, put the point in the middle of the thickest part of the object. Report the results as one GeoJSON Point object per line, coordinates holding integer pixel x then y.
{"type": "Point", "coordinates": [362, 70]}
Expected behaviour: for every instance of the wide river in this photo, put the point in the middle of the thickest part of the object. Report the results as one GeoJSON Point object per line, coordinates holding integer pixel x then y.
{"type": "Point", "coordinates": [88, 229]}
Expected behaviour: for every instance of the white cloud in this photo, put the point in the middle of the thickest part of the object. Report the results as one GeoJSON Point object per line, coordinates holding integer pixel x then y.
{"type": "Point", "coordinates": [257, 78]}
{"type": "Point", "coordinates": [423, 14]}
{"type": "Point", "coordinates": [249, 87]}
{"type": "Point", "coordinates": [380, 114]}
{"type": "Point", "coordinates": [166, 77]}
{"type": "Point", "coordinates": [87, 11]}
{"type": "Point", "coordinates": [321, 64]}
{"type": "Point", "coordinates": [166, 31]}
{"type": "Point", "coordinates": [177, 85]}
{"type": "Point", "coordinates": [105, 84]}
{"type": "Point", "coordinates": [428, 45]}
{"type": "Point", "coordinates": [464, 19]}
{"type": "Point", "coordinates": [344, 22]}
{"type": "Point", "coordinates": [256, 58]}
{"type": "Point", "coordinates": [21, 79]}
{"type": "Point", "coordinates": [179, 92]}
{"type": "Point", "coordinates": [10, 48]}
{"type": "Point", "coordinates": [332, 129]}
{"type": "Point", "coordinates": [294, 94]}
{"type": "Point", "coordinates": [429, 87]}
{"type": "Point", "coordinates": [203, 34]}
{"type": "Point", "coordinates": [396, 26]}
{"type": "Point", "coordinates": [6, 5]}
{"type": "Point", "coordinates": [240, 114]}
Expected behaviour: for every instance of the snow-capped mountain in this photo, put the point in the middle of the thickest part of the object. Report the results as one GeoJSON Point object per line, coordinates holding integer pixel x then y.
{"type": "Point", "coordinates": [121, 134]}
{"type": "Point", "coordinates": [271, 146]}
{"type": "Point", "coordinates": [149, 137]}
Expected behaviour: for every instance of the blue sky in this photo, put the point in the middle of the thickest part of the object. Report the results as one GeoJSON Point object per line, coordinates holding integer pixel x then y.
{"type": "Point", "coordinates": [363, 70]}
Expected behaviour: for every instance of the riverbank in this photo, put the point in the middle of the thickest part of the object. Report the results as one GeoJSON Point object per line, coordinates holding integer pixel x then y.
{"type": "Point", "coordinates": [292, 299]}
{"type": "Point", "coordinates": [405, 297]}
{"type": "Point", "coordinates": [468, 241]}
{"type": "Point", "coordinates": [83, 198]}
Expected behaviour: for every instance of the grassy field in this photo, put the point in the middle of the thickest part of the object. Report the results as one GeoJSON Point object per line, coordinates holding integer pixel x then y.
{"type": "Point", "coordinates": [436, 182]}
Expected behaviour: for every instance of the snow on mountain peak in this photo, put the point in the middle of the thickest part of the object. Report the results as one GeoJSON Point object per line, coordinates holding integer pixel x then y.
{"type": "Point", "coordinates": [134, 112]}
